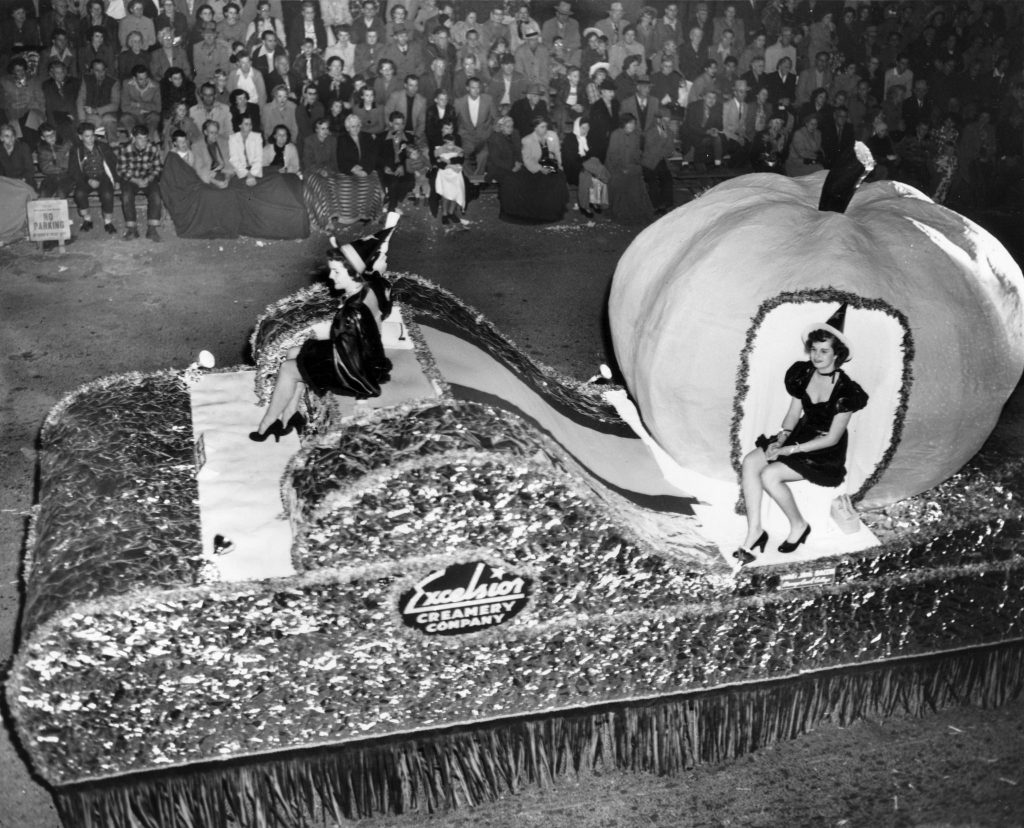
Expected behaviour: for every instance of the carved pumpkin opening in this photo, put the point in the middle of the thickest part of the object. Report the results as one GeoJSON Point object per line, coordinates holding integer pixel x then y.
{"type": "Point", "coordinates": [881, 365]}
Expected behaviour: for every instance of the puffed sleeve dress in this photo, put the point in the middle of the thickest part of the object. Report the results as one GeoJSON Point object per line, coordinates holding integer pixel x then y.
{"type": "Point", "coordinates": [352, 361]}
{"type": "Point", "coordinates": [827, 466]}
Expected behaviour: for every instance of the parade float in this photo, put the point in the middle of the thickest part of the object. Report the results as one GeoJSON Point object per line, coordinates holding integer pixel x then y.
{"type": "Point", "coordinates": [491, 575]}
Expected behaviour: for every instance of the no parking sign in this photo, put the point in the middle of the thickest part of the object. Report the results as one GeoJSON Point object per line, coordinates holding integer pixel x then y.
{"type": "Point", "coordinates": [48, 220]}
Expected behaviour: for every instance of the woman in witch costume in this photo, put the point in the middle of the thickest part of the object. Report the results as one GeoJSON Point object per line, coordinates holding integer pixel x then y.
{"type": "Point", "coordinates": [351, 361]}
{"type": "Point", "coordinates": [811, 445]}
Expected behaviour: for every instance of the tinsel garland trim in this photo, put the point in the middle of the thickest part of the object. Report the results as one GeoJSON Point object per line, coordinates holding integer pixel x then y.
{"type": "Point", "coordinates": [838, 297]}
{"type": "Point", "coordinates": [414, 287]}
{"type": "Point", "coordinates": [466, 766]}
{"type": "Point", "coordinates": [425, 356]}
{"type": "Point", "coordinates": [101, 384]}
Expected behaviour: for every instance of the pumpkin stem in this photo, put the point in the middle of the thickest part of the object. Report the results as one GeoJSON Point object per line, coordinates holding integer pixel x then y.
{"type": "Point", "coordinates": [846, 175]}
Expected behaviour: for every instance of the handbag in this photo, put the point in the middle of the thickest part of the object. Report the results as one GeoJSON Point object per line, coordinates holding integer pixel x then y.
{"type": "Point", "coordinates": [844, 515]}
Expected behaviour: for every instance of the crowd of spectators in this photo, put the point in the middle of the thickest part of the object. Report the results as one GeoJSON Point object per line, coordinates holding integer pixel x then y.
{"type": "Point", "coordinates": [432, 98]}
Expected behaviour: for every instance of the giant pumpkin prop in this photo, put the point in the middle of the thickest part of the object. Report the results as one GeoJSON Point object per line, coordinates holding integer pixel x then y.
{"type": "Point", "coordinates": [727, 283]}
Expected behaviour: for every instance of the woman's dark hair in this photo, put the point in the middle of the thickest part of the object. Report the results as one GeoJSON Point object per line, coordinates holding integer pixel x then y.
{"type": "Point", "coordinates": [626, 118]}
{"type": "Point", "coordinates": [235, 94]}
{"type": "Point", "coordinates": [287, 133]}
{"type": "Point", "coordinates": [538, 120]}
{"type": "Point", "coordinates": [821, 335]}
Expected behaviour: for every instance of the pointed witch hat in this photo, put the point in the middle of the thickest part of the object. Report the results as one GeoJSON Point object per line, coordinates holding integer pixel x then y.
{"type": "Point", "coordinates": [369, 252]}
{"type": "Point", "coordinates": [835, 325]}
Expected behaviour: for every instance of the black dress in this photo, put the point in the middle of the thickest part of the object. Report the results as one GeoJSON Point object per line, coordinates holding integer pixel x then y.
{"type": "Point", "coordinates": [827, 466]}
{"type": "Point", "coordinates": [352, 361]}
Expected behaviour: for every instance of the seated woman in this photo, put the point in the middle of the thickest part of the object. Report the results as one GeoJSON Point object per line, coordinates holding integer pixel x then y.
{"type": "Point", "coordinates": [279, 153]}
{"type": "Point", "coordinates": [242, 108]}
{"type": "Point", "coordinates": [542, 176]}
{"type": "Point", "coordinates": [371, 115]}
{"type": "Point", "coordinates": [584, 169]}
{"type": "Point", "coordinates": [355, 192]}
{"type": "Point", "coordinates": [351, 361]}
{"type": "Point", "coordinates": [628, 198]}
{"type": "Point", "coordinates": [811, 445]}
{"type": "Point", "coordinates": [768, 152]}
{"type": "Point", "coordinates": [805, 154]}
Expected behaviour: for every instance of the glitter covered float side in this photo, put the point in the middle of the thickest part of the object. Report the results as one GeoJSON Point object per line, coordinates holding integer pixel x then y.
{"type": "Point", "coordinates": [127, 679]}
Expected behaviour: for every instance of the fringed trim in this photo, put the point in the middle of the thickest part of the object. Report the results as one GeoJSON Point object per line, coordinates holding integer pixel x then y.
{"type": "Point", "coordinates": [838, 297]}
{"type": "Point", "coordinates": [468, 766]}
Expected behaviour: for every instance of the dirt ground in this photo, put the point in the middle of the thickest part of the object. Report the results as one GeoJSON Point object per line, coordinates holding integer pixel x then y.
{"type": "Point", "coordinates": [110, 306]}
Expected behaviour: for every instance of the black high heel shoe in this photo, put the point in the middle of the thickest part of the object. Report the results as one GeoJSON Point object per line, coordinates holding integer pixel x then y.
{"type": "Point", "coordinates": [276, 430]}
{"type": "Point", "coordinates": [745, 556]}
{"type": "Point", "coordinates": [786, 547]}
{"type": "Point", "coordinates": [297, 422]}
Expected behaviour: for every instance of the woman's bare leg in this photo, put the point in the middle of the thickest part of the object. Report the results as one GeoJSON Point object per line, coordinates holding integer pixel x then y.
{"type": "Point", "coordinates": [285, 399]}
{"type": "Point", "coordinates": [753, 464]}
{"type": "Point", "coordinates": [774, 479]}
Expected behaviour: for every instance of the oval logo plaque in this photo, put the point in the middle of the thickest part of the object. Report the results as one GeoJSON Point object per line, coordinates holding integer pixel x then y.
{"type": "Point", "coordinates": [464, 598]}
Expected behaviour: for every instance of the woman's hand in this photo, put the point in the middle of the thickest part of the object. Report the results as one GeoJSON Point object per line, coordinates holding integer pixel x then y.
{"type": "Point", "coordinates": [772, 452]}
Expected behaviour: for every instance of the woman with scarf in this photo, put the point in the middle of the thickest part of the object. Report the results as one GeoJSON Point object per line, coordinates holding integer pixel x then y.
{"type": "Point", "coordinates": [585, 170]}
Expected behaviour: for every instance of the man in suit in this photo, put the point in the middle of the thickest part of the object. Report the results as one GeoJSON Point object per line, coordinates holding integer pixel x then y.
{"type": "Point", "coordinates": [691, 56]}
{"type": "Point", "coordinates": [604, 119]}
{"type": "Point", "coordinates": [813, 77]}
{"type": "Point", "coordinates": [641, 106]}
{"type": "Point", "coordinates": [211, 157]}
{"type": "Point", "coordinates": [755, 76]}
{"type": "Point", "coordinates": [659, 146]}
{"type": "Point", "coordinates": [836, 137]}
{"type": "Point", "coordinates": [60, 94]}
{"type": "Point", "coordinates": [407, 56]}
{"type": "Point", "coordinates": [532, 59]}
{"type": "Point", "coordinates": [282, 75]}
{"type": "Point", "coordinates": [738, 124]}
{"type": "Point", "coordinates": [508, 86]}
{"type": "Point", "coordinates": [413, 107]}
{"type": "Point", "coordinates": [476, 114]}
{"type": "Point", "coordinates": [782, 82]}
{"type": "Point", "coordinates": [918, 107]}
{"type": "Point", "coordinates": [702, 128]}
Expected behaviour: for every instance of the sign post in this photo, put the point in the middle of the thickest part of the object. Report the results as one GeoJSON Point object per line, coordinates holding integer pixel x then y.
{"type": "Point", "coordinates": [48, 220]}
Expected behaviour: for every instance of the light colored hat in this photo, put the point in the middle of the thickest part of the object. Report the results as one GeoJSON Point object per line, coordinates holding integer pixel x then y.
{"type": "Point", "coordinates": [599, 65]}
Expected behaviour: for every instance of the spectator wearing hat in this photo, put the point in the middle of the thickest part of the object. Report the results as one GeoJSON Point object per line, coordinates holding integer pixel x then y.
{"type": "Point", "coordinates": [508, 86]}
{"type": "Point", "coordinates": [604, 119]}
{"type": "Point", "coordinates": [526, 109]}
{"type": "Point", "coordinates": [141, 103]}
{"type": "Point", "coordinates": [598, 75]}
{"type": "Point", "coordinates": [627, 47]}
{"type": "Point", "coordinates": [562, 25]}
{"type": "Point", "coordinates": [521, 24]}
{"type": "Point", "coordinates": [641, 106]}
{"type": "Point", "coordinates": [595, 50]}
{"type": "Point", "coordinates": [209, 55]}
{"type": "Point", "coordinates": [658, 146]}
{"type": "Point", "coordinates": [533, 60]}
{"type": "Point", "coordinates": [407, 56]}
